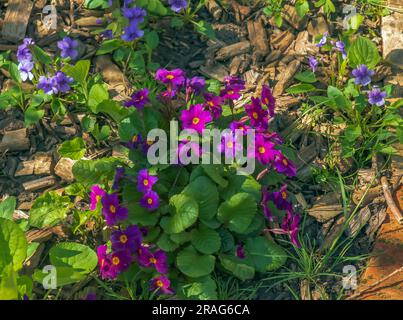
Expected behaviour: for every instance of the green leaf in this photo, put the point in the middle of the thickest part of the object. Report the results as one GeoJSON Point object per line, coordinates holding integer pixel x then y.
{"type": "Point", "coordinates": [215, 171]}
{"type": "Point", "coordinates": [206, 194]}
{"type": "Point", "coordinates": [300, 88]}
{"type": "Point", "coordinates": [32, 115]}
{"type": "Point", "coordinates": [48, 210]}
{"type": "Point", "coordinates": [91, 172]}
{"type": "Point", "coordinates": [205, 29]}
{"type": "Point", "coordinates": [79, 71]}
{"type": "Point", "coordinates": [75, 255]}
{"type": "Point", "coordinates": [113, 109]}
{"type": "Point", "coordinates": [13, 245]}
{"type": "Point", "coordinates": [227, 240]}
{"type": "Point", "coordinates": [95, 4]}
{"type": "Point", "coordinates": [73, 149]}
{"type": "Point", "coordinates": [265, 254]}
{"type": "Point", "coordinates": [184, 213]}
{"type": "Point", "coordinates": [338, 97]}
{"type": "Point", "coordinates": [7, 208]}
{"type": "Point", "coordinates": [193, 264]}
{"type": "Point", "coordinates": [237, 212]}
{"type": "Point", "coordinates": [153, 6]}
{"type": "Point", "coordinates": [98, 93]}
{"type": "Point", "coordinates": [241, 183]}
{"type": "Point", "coordinates": [306, 76]}
{"type": "Point", "coordinates": [302, 8]}
{"type": "Point", "coordinates": [152, 40]}
{"type": "Point", "coordinates": [240, 268]}
{"type": "Point", "coordinates": [108, 46]}
{"type": "Point", "coordinates": [206, 240]}
{"type": "Point", "coordinates": [166, 244]}
{"type": "Point", "coordinates": [41, 55]}
{"type": "Point", "coordinates": [363, 51]}
{"type": "Point", "coordinates": [14, 72]}
{"type": "Point", "coordinates": [204, 288]}
{"type": "Point", "coordinates": [8, 283]}
{"type": "Point", "coordinates": [351, 133]}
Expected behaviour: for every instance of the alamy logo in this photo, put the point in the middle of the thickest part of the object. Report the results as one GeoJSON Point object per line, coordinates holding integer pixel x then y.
{"type": "Point", "coordinates": [350, 278]}
{"type": "Point", "coordinates": [50, 19]}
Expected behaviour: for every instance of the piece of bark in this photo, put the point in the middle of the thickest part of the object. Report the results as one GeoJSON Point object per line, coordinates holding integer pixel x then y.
{"type": "Point", "coordinates": [258, 37]}
{"type": "Point", "coordinates": [252, 77]}
{"type": "Point", "coordinates": [88, 22]}
{"type": "Point", "coordinates": [392, 39]}
{"type": "Point", "coordinates": [326, 207]}
{"type": "Point", "coordinates": [16, 140]}
{"type": "Point", "coordinates": [216, 71]}
{"type": "Point", "coordinates": [25, 168]}
{"type": "Point", "coordinates": [25, 206]}
{"type": "Point", "coordinates": [291, 16]}
{"type": "Point", "coordinates": [370, 195]}
{"type": "Point", "coordinates": [303, 46]}
{"type": "Point", "coordinates": [43, 163]}
{"type": "Point", "coordinates": [287, 102]}
{"type": "Point", "coordinates": [317, 27]}
{"type": "Point", "coordinates": [233, 50]}
{"type": "Point", "coordinates": [241, 12]}
{"type": "Point", "coordinates": [16, 20]}
{"type": "Point", "coordinates": [286, 77]}
{"type": "Point", "coordinates": [235, 65]}
{"type": "Point", "coordinates": [358, 221]}
{"type": "Point", "coordinates": [306, 155]}
{"type": "Point", "coordinates": [33, 261]}
{"type": "Point", "coordinates": [39, 183]}
{"type": "Point", "coordinates": [64, 169]}
{"type": "Point", "coordinates": [214, 8]}
{"type": "Point", "coordinates": [375, 223]}
{"type": "Point", "coordinates": [114, 78]}
{"type": "Point", "coordinates": [333, 233]}
{"type": "Point", "coordinates": [273, 56]}
{"type": "Point", "coordinates": [283, 40]}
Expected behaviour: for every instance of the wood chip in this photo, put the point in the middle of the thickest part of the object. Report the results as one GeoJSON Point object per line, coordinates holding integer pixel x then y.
{"type": "Point", "coordinates": [39, 183]}
{"type": "Point", "coordinates": [233, 50]}
{"type": "Point", "coordinates": [16, 140]}
{"type": "Point", "coordinates": [286, 77]}
{"type": "Point", "coordinates": [64, 169]}
{"type": "Point", "coordinates": [291, 16]}
{"type": "Point", "coordinates": [283, 40]}
{"type": "Point", "coordinates": [326, 207]}
{"type": "Point", "coordinates": [216, 71]}
{"type": "Point", "coordinates": [258, 37]}
{"type": "Point", "coordinates": [16, 20]}
{"type": "Point", "coordinates": [214, 8]}
{"type": "Point", "coordinates": [358, 221]}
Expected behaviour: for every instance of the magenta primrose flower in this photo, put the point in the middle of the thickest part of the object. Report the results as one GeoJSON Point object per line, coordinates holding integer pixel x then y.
{"type": "Point", "coordinates": [229, 145]}
{"type": "Point", "coordinates": [213, 103]}
{"type": "Point", "coordinates": [233, 80]}
{"type": "Point", "coordinates": [195, 85]}
{"type": "Point", "coordinates": [240, 251]}
{"type": "Point", "coordinates": [150, 200]}
{"type": "Point", "coordinates": [232, 92]}
{"type": "Point", "coordinates": [145, 181]}
{"type": "Point", "coordinates": [134, 142]}
{"type": "Point", "coordinates": [280, 198]}
{"type": "Point", "coordinates": [112, 210]}
{"type": "Point", "coordinates": [139, 99]}
{"type": "Point", "coordinates": [257, 115]}
{"type": "Point", "coordinates": [264, 150]}
{"type": "Point", "coordinates": [158, 259]}
{"type": "Point", "coordinates": [290, 225]}
{"type": "Point", "coordinates": [161, 284]}
{"type": "Point", "coordinates": [129, 239]}
{"type": "Point", "coordinates": [268, 99]}
{"type": "Point", "coordinates": [175, 78]}
{"type": "Point", "coordinates": [96, 195]}
{"type": "Point", "coordinates": [195, 118]}
{"type": "Point", "coordinates": [266, 196]}
{"type": "Point", "coordinates": [284, 165]}
{"type": "Point", "coordinates": [112, 264]}
{"type": "Point", "coordinates": [239, 125]}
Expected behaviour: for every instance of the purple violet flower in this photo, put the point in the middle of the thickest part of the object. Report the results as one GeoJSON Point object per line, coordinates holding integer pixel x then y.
{"type": "Point", "coordinates": [362, 75]}
{"type": "Point", "coordinates": [68, 48]}
{"type": "Point", "coordinates": [340, 47]}
{"type": "Point", "coordinates": [25, 67]}
{"type": "Point", "coordinates": [376, 97]}
{"type": "Point", "coordinates": [135, 15]}
{"type": "Point", "coordinates": [23, 51]}
{"type": "Point", "coordinates": [313, 63]}
{"type": "Point", "coordinates": [322, 41]}
{"type": "Point", "coordinates": [62, 81]}
{"type": "Point", "coordinates": [132, 32]}
{"type": "Point", "coordinates": [178, 5]}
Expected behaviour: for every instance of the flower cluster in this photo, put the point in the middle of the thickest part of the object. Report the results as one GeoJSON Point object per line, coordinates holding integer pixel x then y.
{"type": "Point", "coordinates": [54, 84]}
{"type": "Point", "coordinates": [363, 77]}
{"type": "Point", "coordinates": [68, 48]}
{"type": "Point", "coordinates": [145, 182]}
{"type": "Point", "coordinates": [279, 199]}
{"type": "Point", "coordinates": [24, 57]}
{"type": "Point", "coordinates": [135, 16]}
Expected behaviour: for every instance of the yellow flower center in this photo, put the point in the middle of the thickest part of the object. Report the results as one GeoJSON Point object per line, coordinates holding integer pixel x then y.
{"type": "Point", "coordinates": [255, 115]}
{"type": "Point", "coordinates": [230, 145]}
{"type": "Point", "coordinates": [123, 238]}
{"type": "Point", "coordinates": [145, 182]}
{"type": "Point", "coordinates": [115, 261]}
{"type": "Point", "coordinates": [98, 197]}
{"type": "Point", "coordinates": [195, 120]}
{"type": "Point", "coordinates": [102, 263]}
{"type": "Point", "coordinates": [112, 208]}
{"type": "Point", "coordinates": [159, 283]}
{"type": "Point", "coordinates": [170, 76]}
{"type": "Point", "coordinates": [149, 201]}
{"type": "Point", "coordinates": [153, 260]}
{"type": "Point", "coordinates": [262, 150]}
{"type": "Point", "coordinates": [150, 142]}
{"type": "Point", "coordinates": [284, 195]}
{"type": "Point", "coordinates": [266, 100]}
{"type": "Point", "coordinates": [210, 103]}
{"type": "Point", "coordinates": [135, 138]}
{"type": "Point", "coordinates": [230, 92]}
{"type": "Point", "coordinates": [285, 162]}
